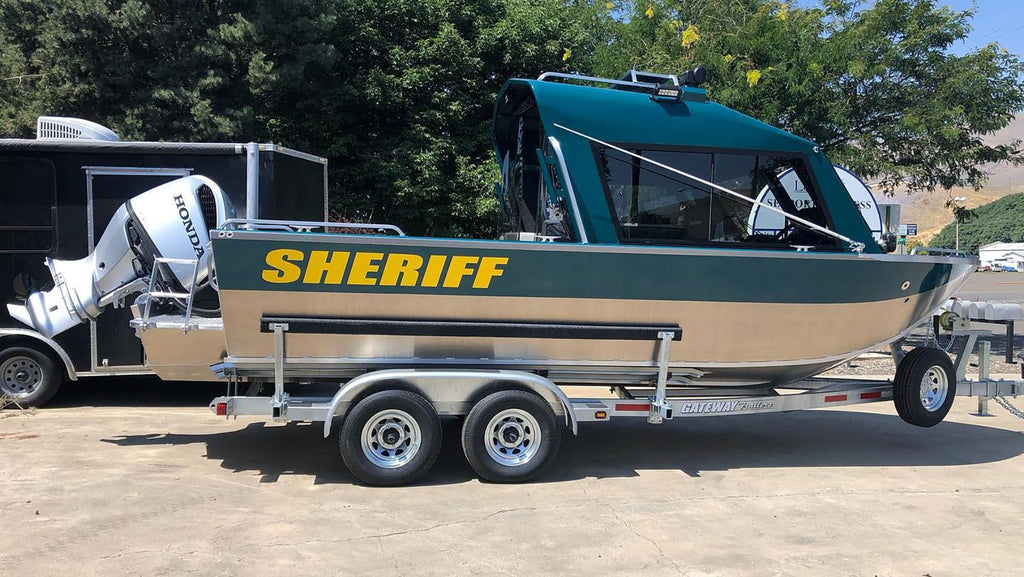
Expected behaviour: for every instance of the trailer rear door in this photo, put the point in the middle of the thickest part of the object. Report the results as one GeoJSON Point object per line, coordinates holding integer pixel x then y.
{"type": "Point", "coordinates": [115, 348]}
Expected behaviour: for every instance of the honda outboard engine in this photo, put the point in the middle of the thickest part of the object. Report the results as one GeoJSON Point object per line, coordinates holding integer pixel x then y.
{"type": "Point", "coordinates": [170, 221]}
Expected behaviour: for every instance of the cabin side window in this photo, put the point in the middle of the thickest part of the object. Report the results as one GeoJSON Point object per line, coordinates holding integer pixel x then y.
{"type": "Point", "coordinates": [28, 197]}
{"type": "Point", "coordinates": [533, 202]}
{"type": "Point", "coordinates": [654, 205]}
{"type": "Point", "coordinates": [522, 182]}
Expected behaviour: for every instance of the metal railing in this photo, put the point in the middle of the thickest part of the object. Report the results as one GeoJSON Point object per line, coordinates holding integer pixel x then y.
{"type": "Point", "coordinates": [555, 76]}
{"type": "Point", "coordinates": [305, 225]}
{"type": "Point", "coordinates": [152, 293]}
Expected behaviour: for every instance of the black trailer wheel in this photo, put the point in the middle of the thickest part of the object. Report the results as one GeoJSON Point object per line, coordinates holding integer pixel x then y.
{"type": "Point", "coordinates": [925, 387]}
{"type": "Point", "coordinates": [510, 436]}
{"type": "Point", "coordinates": [390, 438]}
{"type": "Point", "coordinates": [29, 376]}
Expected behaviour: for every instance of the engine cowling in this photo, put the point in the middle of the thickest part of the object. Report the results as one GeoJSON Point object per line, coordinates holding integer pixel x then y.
{"type": "Point", "coordinates": [171, 221]}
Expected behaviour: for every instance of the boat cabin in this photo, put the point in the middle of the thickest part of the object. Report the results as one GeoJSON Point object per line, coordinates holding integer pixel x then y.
{"type": "Point", "coordinates": [649, 160]}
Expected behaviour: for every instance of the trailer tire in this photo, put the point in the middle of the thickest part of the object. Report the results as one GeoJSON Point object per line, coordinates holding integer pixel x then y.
{"type": "Point", "coordinates": [925, 387]}
{"type": "Point", "coordinates": [390, 438]}
{"type": "Point", "coordinates": [510, 436]}
{"type": "Point", "coordinates": [29, 376]}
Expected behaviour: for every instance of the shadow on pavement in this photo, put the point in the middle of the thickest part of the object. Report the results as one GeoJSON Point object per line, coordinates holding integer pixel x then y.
{"type": "Point", "coordinates": [135, 391]}
{"type": "Point", "coordinates": [692, 445]}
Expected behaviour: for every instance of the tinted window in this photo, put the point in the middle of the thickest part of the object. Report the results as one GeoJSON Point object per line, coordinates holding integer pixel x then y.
{"type": "Point", "coordinates": [652, 204]}
{"type": "Point", "coordinates": [28, 199]}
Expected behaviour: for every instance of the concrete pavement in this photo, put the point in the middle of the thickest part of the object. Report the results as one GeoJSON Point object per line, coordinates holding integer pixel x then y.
{"type": "Point", "coordinates": [166, 488]}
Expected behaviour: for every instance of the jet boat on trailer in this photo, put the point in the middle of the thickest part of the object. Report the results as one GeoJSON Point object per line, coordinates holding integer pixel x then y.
{"type": "Point", "coordinates": [629, 203]}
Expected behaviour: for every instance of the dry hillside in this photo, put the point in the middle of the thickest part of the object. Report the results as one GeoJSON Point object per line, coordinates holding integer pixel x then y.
{"type": "Point", "coordinates": [927, 210]}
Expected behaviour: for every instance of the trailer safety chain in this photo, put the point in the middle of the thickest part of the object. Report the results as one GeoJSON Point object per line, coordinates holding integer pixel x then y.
{"type": "Point", "coordinates": [1006, 404]}
{"type": "Point", "coordinates": [949, 345]}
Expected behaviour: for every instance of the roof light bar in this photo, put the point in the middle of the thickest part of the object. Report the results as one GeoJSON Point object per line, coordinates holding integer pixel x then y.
{"type": "Point", "coordinates": [673, 93]}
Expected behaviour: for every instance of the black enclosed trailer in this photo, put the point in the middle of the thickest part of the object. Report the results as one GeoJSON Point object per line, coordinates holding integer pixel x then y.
{"type": "Point", "coordinates": [56, 198]}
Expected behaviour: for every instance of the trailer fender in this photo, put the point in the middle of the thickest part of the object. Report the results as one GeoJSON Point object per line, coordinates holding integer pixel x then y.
{"type": "Point", "coordinates": [449, 386]}
{"type": "Point", "coordinates": [69, 367]}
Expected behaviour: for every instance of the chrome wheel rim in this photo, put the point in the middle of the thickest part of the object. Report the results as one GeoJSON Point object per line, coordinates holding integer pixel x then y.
{"type": "Point", "coordinates": [512, 437]}
{"type": "Point", "coordinates": [20, 376]}
{"type": "Point", "coordinates": [391, 438]}
{"type": "Point", "coordinates": [934, 388]}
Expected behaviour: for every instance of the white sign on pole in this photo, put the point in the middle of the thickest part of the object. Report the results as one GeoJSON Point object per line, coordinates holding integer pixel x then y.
{"type": "Point", "coordinates": [769, 222]}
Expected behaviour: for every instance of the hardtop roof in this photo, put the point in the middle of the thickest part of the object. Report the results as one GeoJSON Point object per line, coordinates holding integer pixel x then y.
{"type": "Point", "coordinates": [627, 116]}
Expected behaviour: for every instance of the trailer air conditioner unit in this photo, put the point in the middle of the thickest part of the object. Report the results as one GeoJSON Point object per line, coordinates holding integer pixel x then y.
{"type": "Point", "coordinates": [61, 128]}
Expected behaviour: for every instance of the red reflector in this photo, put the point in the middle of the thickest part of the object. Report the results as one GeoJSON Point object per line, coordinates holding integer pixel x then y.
{"type": "Point", "coordinates": [834, 398]}
{"type": "Point", "coordinates": [874, 395]}
{"type": "Point", "coordinates": [222, 409]}
{"type": "Point", "coordinates": [632, 407]}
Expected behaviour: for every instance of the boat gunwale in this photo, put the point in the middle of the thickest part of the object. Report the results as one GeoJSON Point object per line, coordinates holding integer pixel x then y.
{"type": "Point", "coordinates": [220, 235]}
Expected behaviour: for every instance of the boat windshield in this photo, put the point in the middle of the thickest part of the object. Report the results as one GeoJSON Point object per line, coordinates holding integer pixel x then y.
{"type": "Point", "coordinates": [655, 206]}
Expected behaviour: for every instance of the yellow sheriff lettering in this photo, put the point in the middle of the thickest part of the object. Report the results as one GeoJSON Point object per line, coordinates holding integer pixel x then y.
{"type": "Point", "coordinates": [364, 263]}
{"type": "Point", "coordinates": [283, 268]}
{"type": "Point", "coordinates": [325, 267]}
{"type": "Point", "coordinates": [435, 264]}
{"type": "Point", "coordinates": [404, 266]}
{"type": "Point", "coordinates": [458, 269]}
{"type": "Point", "coordinates": [321, 263]}
{"type": "Point", "coordinates": [487, 270]}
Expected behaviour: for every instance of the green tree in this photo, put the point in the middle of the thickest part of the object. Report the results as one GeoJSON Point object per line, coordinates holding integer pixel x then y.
{"type": "Point", "coordinates": [873, 83]}
{"type": "Point", "coordinates": [397, 94]}
{"type": "Point", "coordinates": [998, 221]}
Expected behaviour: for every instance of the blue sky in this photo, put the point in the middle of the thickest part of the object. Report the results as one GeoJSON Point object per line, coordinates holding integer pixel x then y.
{"type": "Point", "coordinates": [999, 21]}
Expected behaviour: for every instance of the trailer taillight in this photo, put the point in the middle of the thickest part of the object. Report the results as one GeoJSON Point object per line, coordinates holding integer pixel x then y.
{"type": "Point", "coordinates": [222, 409]}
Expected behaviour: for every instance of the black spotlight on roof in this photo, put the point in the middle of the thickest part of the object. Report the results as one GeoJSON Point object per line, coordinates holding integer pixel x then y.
{"type": "Point", "coordinates": [694, 77]}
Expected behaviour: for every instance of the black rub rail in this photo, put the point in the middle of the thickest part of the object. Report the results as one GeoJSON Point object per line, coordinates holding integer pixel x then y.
{"type": "Point", "coordinates": [450, 328]}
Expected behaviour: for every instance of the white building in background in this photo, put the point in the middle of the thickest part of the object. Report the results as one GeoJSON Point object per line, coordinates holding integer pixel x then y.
{"type": "Point", "coordinates": [1005, 255]}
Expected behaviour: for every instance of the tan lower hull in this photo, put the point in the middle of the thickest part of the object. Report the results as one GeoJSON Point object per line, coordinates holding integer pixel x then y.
{"type": "Point", "coordinates": [175, 355]}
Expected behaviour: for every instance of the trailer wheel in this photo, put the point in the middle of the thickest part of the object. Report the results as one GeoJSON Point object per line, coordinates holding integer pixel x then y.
{"type": "Point", "coordinates": [510, 436]}
{"type": "Point", "coordinates": [29, 376]}
{"type": "Point", "coordinates": [390, 438]}
{"type": "Point", "coordinates": [925, 387]}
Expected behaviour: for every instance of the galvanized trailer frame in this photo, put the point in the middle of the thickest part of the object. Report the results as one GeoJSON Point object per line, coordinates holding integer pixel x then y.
{"type": "Point", "coordinates": [452, 390]}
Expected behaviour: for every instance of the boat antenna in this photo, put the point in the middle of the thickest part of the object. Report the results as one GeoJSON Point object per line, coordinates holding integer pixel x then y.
{"type": "Point", "coordinates": [854, 245]}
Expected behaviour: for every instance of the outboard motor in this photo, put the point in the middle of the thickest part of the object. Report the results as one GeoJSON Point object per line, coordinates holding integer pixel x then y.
{"type": "Point", "coordinates": [170, 221]}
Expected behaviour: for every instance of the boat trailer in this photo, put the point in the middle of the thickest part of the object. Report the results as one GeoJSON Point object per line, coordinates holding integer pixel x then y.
{"type": "Point", "coordinates": [514, 437]}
